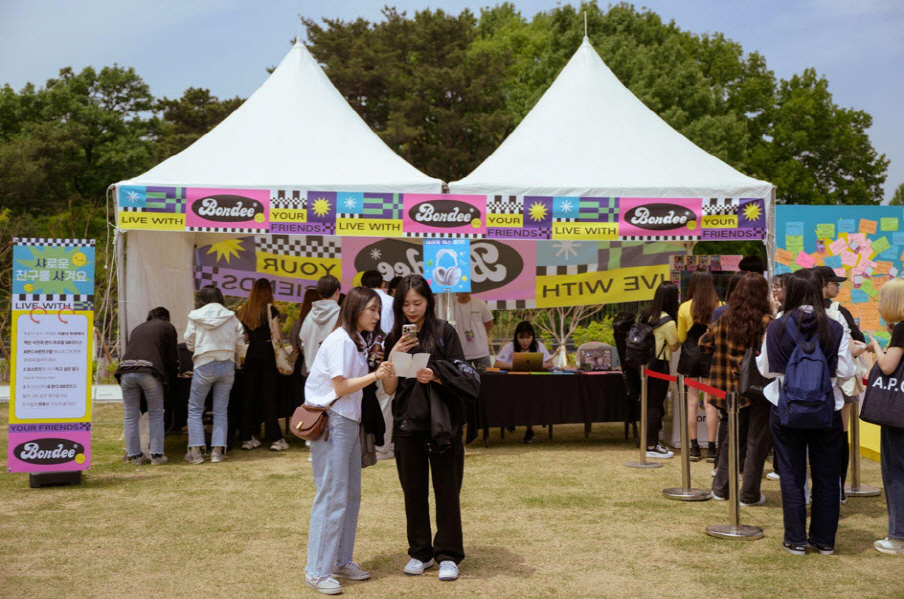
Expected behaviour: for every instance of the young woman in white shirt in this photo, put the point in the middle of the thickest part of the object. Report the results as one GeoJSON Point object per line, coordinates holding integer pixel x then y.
{"type": "Point", "coordinates": [524, 341]}
{"type": "Point", "coordinates": [340, 371]}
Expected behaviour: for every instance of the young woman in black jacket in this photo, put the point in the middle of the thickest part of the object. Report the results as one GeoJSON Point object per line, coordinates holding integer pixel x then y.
{"type": "Point", "coordinates": [416, 451]}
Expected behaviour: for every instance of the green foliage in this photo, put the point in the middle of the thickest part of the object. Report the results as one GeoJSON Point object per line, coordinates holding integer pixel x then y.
{"type": "Point", "coordinates": [596, 330]}
{"type": "Point", "coordinates": [898, 198]}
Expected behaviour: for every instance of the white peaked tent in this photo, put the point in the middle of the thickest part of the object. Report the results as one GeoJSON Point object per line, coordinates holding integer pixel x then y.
{"type": "Point", "coordinates": [590, 136]}
{"type": "Point", "coordinates": [296, 131]}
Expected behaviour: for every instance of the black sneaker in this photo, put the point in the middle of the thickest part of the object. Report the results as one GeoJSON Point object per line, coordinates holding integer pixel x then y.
{"type": "Point", "coordinates": [822, 549]}
{"type": "Point", "coordinates": [510, 429]}
{"type": "Point", "coordinates": [528, 436]}
{"type": "Point", "coordinates": [794, 548]}
{"type": "Point", "coordinates": [711, 454]}
{"type": "Point", "coordinates": [695, 454]}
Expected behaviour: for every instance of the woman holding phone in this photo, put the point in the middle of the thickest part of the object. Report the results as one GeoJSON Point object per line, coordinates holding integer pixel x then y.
{"type": "Point", "coordinates": [416, 329]}
{"type": "Point", "coordinates": [337, 378]}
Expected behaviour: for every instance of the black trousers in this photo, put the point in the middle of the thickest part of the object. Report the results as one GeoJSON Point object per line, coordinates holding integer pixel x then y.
{"type": "Point", "coordinates": [416, 467]}
{"type": "Point", "coordinates": [792, 447]}
{"type": "Point", "coordinates": [754, 440]}
{"type": "Point", "coordinates": [657, 389]}
{"type": "Point", "coordinates": [261, 380]}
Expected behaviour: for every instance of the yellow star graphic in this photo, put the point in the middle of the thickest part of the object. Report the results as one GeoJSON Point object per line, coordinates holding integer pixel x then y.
{"type": "Point", "coordinates": [752, 211]}
{"type": "Point", "coordinates": [537, 211]}
{"type": "Point", "coordinates": [321, 207]}
{"type": "Point", "coordinates": [226, 249]}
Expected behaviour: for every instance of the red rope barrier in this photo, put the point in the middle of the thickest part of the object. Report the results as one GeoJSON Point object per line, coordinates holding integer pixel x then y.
{"type": "Point", "coordinates": [705, 388]}
{"type": "Point", "coordinates": [659, 375]}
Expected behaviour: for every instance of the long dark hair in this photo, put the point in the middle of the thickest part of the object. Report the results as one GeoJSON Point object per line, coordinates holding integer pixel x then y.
{"type": "Point", "coordinates": [355, 303]}
{"type": "Point", "coordinates": [664, 300]}
{"type": "Point", "coordinates": [261, 295]}
{"type": "Point", "coordinates": [524, 327]}
{"type": "Point", "coordinates": [802, 290]}
{"type": "Point", "coordinates": [702, 293]}
{"type": "Point", "coordinates": [747, 305]}
{"type": "Point", "coordinates": [428, 335]}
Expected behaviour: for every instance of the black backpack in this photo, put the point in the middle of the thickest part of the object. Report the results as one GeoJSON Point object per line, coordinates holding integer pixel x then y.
{"type": "Point", "coordinates": [640, 346]}
{"type": "Point", "coordinates": [693, 362]}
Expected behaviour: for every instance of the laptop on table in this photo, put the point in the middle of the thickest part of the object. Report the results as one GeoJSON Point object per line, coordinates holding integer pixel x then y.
{"type": "Point", "coordinates": [527, 362]}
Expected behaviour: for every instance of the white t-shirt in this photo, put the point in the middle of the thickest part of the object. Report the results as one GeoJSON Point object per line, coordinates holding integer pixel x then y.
{"type": "Point", "coordinates": [387, 319]}
{"type": "Point", "coordinates": [508, 352]}
{"type": "Point", "coordinates": [338, 356]}
{"type": "Point", "coordinates": [472, 333]}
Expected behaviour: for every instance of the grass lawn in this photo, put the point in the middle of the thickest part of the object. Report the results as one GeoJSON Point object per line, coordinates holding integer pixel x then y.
{"type": "Point", "coordinates": [561, 518]}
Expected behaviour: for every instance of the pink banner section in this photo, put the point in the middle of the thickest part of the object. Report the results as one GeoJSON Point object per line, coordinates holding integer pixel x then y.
{"type": "Point", "coordinates": [227, 209]}
{"type": "Point", "coordinates": [660, 217]}
{"type": "Point", "coordinates": [49, 447]}
{"type": "Point", "coordinates": [430, 215]}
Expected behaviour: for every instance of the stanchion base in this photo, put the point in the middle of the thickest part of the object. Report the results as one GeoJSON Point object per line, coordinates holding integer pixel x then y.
{"type": "Point", "coordinates": [644, 465]}
{"type": "Point", "coordinates": [741, 533]}
{"type": "Point", "coordinates": [861, 491]}
{"type": "Point", "coordinates": [681, 494]}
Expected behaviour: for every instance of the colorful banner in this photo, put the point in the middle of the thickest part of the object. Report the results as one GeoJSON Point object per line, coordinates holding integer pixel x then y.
{"type": "Point", "coordinates": [862, 243]}
{"type": "Point", "coordinates": [503, 217]}
{"type": "Point", "coordinates": [52, 346]}
{"type": "Point", "coordinates": [507, 274]}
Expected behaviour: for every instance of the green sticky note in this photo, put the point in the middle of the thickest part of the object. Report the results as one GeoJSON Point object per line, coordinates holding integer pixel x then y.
{"type": "Point", "coordinates": [825, 231]}
{"type": "Point", "coordinates": [888, 224]}
{"type": "Point", "coordinates": [867, 286]}
{"type": "Point", "coordinates": [795, 267]}
{"type": "Point", "coordinates": [880, 245]}
{"type": "Point", "coordinates": [794, 243]}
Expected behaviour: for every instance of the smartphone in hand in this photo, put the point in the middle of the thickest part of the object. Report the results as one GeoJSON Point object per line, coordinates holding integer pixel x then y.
{"type": "Point", "coordinates": [409, 329]}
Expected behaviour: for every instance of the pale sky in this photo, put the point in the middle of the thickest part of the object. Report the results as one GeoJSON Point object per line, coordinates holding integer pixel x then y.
{"type": "Point", "coordinates": [227, 45]}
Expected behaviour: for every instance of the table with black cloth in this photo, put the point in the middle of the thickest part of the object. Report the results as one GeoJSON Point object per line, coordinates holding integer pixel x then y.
{"type": "Point", "coordinates": [509, 399]}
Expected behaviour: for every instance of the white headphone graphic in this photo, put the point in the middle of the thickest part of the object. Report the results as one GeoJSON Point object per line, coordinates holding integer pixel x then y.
{"type": "Point", "coordinates": [447, 276]}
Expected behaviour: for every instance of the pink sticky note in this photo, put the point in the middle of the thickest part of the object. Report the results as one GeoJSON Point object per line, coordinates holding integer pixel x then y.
{"type": "Point", "coordinates": [805, 260]}
{"type": "Point", "coordinates": [838, 246]}
{"type": "Point", "coordinates": [849, 258]}
{"type": "Point", "coordinates": [866, 252]}
{"type": "Point", "coordinates": [857, 271]}
{"type": "Point", "coordinates": [859, 238]}
{"type": "Point", "coordinates": [867, 263]}
{"type": "Point", "coordinates": [839, 272]}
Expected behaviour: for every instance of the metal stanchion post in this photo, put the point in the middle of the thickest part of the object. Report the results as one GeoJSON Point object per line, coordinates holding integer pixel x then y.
{"type": "Point", "coordinates": [855, 488]}
{"type": "Point", "coordinates": [642, 462]}
{"type": "Point", "coordinates": [685, 492]}
{"type": "Point", "coordinates": [734, 530]}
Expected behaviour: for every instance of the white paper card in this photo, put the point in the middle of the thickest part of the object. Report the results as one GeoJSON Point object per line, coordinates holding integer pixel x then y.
{"type": "Point", "coordinates": [407, 365]}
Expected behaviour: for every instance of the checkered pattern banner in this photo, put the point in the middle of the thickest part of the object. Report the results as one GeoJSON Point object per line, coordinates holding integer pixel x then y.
{"type": "Point", "coordinates": [313, 246]}
{"type": "Point", "coordinates": [287, 199]}
{"type": "Point", "coordinates": [445, 235]}
{"type": "Point", "coordinates": [511, 304]}
{"type": "Point", "coordinates": [53, 243]}
{"type": "Point", "coordinates": [170, 200]}
{"type": "Point", "coordinates": [720, 206]}
{"type": "Point", "coordinates": [382, 205]}
{"type": "Point", "coordinates": [222, 230]}
{"type": "Point", "coordinates": [572, 269]}
{"type": "Point", "coordinates": [602, 210]}
{"type": "Point", "coordinates": [505, 205]}
{"type": "Point", "coordinates": [205, 275]}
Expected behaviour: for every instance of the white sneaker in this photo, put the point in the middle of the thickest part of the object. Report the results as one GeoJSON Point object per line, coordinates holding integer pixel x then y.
{"type": "Point", "coordinates": [280, 445]}
{"type": "Point", "coordinates": [326, 585]}
{"type": "Point", "coordinates": [773, 476]}
{"type": "Point", "coordinates": [194, 455]}
{"type": "Point", "coordinates": [251, 443]}
{"type": "Point", "coordinates": [659, 452]}
{"type": "Point", "coordinates": [352, 571]}
{"type": "Point", "coordinates": [890, 546]}
{"type": "Point", "coordinates": [385, 455]}
{"type": "Point", "coordinates": [416, 567]}
{"type": "Point", "coordinates": [716, 497]}
{"type": "Point", "coordinates": [217, 454]}
{"type": "Point", "coordinates": [760, 501]}
{"type": "Point", "coordinates": [448, 570]}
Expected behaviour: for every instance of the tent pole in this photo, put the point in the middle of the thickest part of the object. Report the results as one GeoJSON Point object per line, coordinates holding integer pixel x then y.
{"type": "Point", "coordinates": [769, 239]}
{"type": "Point", "coordinates": [120, 240]}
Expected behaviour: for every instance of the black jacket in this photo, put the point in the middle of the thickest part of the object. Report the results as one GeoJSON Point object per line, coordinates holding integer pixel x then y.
{"type": "Point", "coordinates": [152, 348]}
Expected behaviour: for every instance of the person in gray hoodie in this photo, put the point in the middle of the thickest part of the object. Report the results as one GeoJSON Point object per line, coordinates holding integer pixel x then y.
{"type": "Point", "coordinates": [321, 320]}
{"type": "Point", "coordinates": [215, 335]}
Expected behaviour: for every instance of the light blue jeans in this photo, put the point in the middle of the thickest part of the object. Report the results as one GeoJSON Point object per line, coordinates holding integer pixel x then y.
{"type": "Point", "coordinates": [133, 383]}
{"type": "Point", "coordinates": [220, 375]}
{"type": "Point", "coordinates": [334, 515]}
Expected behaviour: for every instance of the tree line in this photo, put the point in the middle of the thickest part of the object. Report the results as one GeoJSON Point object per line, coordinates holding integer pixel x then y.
{"type": "Point", "coordinates": [443, 90]}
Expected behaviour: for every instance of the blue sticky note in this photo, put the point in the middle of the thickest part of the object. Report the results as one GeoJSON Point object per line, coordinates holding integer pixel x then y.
{"type": "Point", "coordinates": [781, 269]}
{"type": "Point", "coordinates": [794, 229]}
{"type": "Point", "coordinates": [897, 238]}
{"type": "Point", "coordinates": [833, 261]}
{"type": "Point", "coordinates": [892, 253]}
{"type": "Point", "coordinates": [859, 296]}
{"type": "Point", "coordinates": [846, 225]}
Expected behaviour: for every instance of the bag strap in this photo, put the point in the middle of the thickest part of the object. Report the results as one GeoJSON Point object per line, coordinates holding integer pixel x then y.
{"type": "Point", "coordinates": [270, 323]}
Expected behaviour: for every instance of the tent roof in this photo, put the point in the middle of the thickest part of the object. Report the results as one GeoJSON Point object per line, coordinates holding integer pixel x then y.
{"type": "Point", "coordinates": [296, 130]}
{"type": "Point", "coordinates": [590, 136]}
